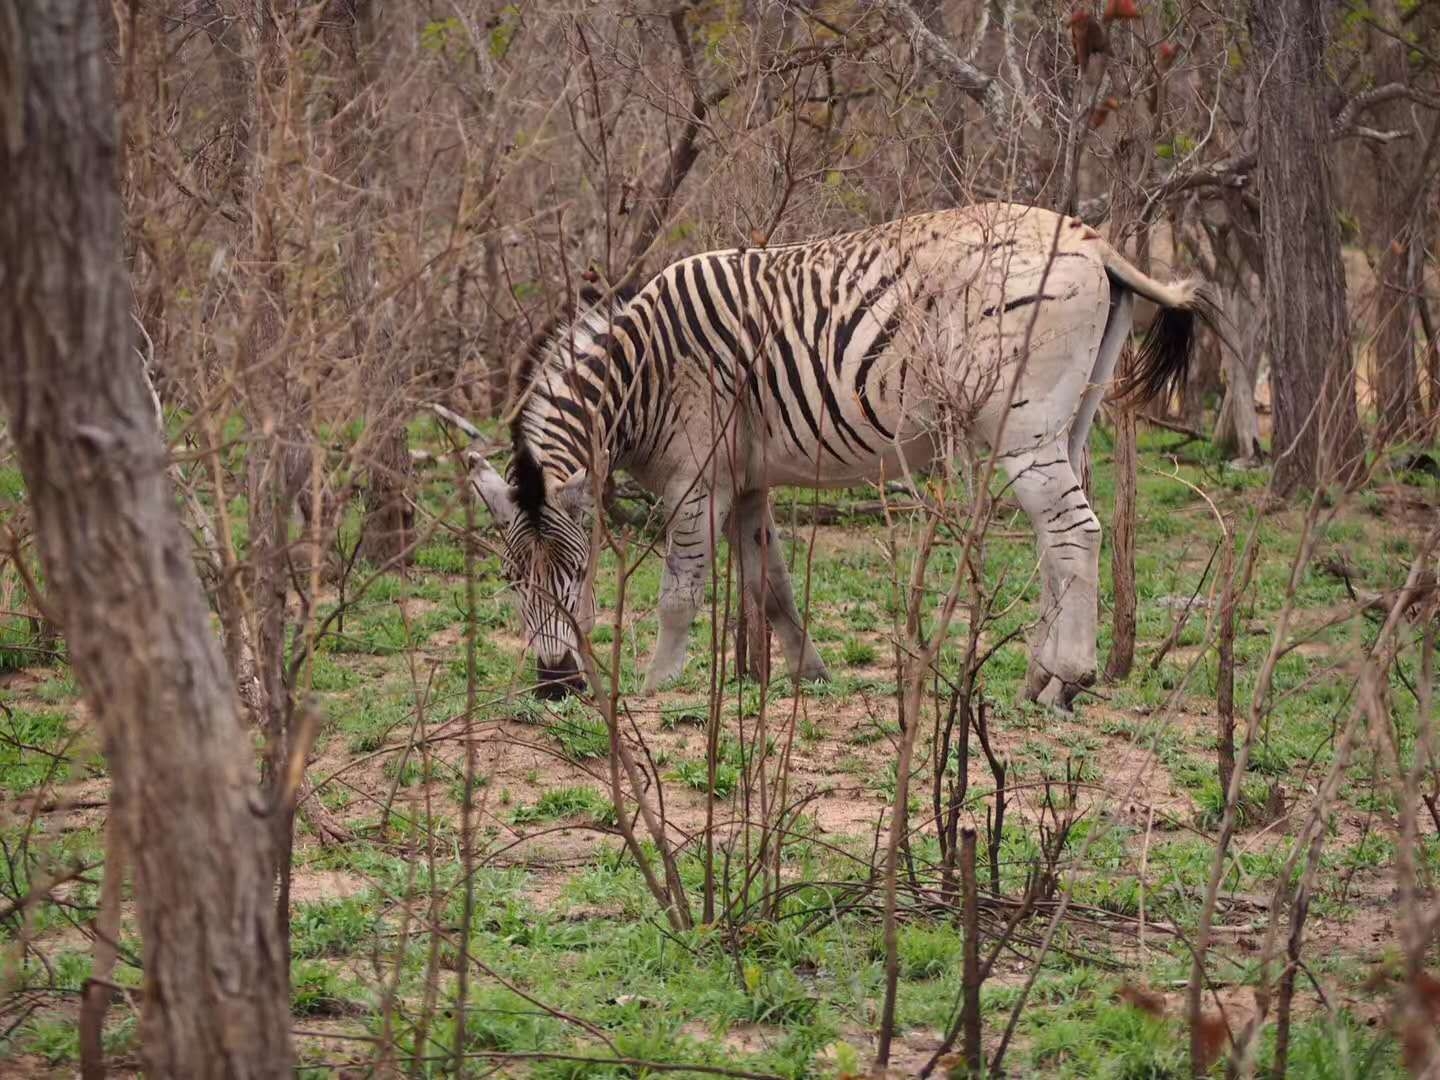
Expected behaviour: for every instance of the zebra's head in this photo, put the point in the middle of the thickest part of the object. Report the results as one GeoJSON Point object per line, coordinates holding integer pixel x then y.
{"type": "Point", "coordinates": [546, 557]}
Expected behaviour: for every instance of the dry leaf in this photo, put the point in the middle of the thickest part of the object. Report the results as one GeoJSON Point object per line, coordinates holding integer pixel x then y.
{"type": "Point", "coordinates": [1427, 994]}
{"type": "Point", "coordinates": [1087, 36]}
{"type": "Point", "coordinates": [1214, 1035]}
{"type": "Point", "coordinates": [1138, 997]}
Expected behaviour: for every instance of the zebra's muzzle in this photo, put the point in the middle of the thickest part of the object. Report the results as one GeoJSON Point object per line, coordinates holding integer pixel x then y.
{"type": "Point", "coordinates": [555, 681]}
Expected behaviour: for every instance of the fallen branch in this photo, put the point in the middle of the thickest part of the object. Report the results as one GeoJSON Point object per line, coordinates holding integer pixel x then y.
{"type": "Point", "coordinates": [1179, 429]}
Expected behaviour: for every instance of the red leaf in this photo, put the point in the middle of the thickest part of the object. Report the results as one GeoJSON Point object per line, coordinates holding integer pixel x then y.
{"type": "Point", "coordinates": [1121, 9]}
{"type": "Point", "coordinates": [1087, 36]}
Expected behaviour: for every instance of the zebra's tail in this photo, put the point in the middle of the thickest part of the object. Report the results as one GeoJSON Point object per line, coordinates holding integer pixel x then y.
{"type": "Point", "coordinates": [1164, 356]}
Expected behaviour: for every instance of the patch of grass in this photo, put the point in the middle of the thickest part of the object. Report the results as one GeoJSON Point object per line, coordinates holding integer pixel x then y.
{"type": "Point", "coordinates": [59, 688]}
{"type": "Point", "coordinates": [857, 653]}
{"type": "Point", "coordinates": [441, 557]}
{"type": "Point", "coordinates": [696, 776]}
{"type": "Point", "coordinates": [316, 989]}
{"type": "Point", "coordinates": [30, 747]}
{"type": "Point", "coordinates": [20, 648]}
{"type": "Point", "coordinates": [56, 1039]}
{"type": "Point", "coordinates": [406, 769]}
{"type": "Point", "coordinates": [371, 718]}
{"type": "Point", "coordinates": [582, 735]}
{"type": "Point", "coordinates": [326, 675]}
{"type": "Point", "coordinates": [381, 629]}
{"type": "Point", "coordinates": [673, 716]}
{"type": "Point", "coordinates": [928, 952]}
{"type": "Point", "coordinates": [567, 802]}
{"type": "Point", "coordinates": [331, 927]}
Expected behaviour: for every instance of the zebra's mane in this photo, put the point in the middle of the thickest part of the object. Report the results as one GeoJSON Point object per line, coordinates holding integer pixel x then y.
{"type": "Point", "coordinates": [555, 348]}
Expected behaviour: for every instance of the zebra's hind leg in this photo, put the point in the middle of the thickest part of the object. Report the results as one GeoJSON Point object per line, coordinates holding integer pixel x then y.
{"type": "Point", "coordinates": [688, 552]}
{"type": "Point", "coordinates": [762, 564]}
{"type": "Point", "coordinates": [1063, 649]}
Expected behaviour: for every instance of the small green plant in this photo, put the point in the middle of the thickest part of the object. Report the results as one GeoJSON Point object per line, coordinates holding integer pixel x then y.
{"type": "Point", "coordinates": [566, 802]}
{"type": "Point", "coordinates": [858, 653]}
{"type": "Point", "coordinates": [775, 997]}
{"type": "Point", "coordinates": [582, 737]}
{"type": "Point", "coordinates": [330, 928]}
{"type": "Point", "coordinates": [695, 774]}
{"type": "Point", "coordinates": [928, 952]}
{"type": "Point", "coordinates": [56, 1039]}
{"type": "Point", "coordinates": [317, 990]}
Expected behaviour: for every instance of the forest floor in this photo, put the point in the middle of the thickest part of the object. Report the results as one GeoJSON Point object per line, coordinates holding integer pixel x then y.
{"type": "Point", "coordinates": [564, 926]}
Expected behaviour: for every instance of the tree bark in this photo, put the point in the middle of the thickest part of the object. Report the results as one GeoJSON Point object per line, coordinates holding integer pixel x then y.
{"type": "Point", "coordinates": [1122, 545]}
{"type": "Point", "coordinates": [389, 520]}
{"type": "Point", "coordinates": [1237, 427]}
{"type": "Point", "coordinates": [1397, 390]}
{"type": "Point", "coordinates": [1392, 227]}
{"type": "Point", "coordinates": [949, 108]}
{"type": "Point", "coordinates": [1317, 435]}
{"type": "Point", "coordinates": [118, 563]}
{"type": "Point", "coordinates": [1131, 156]}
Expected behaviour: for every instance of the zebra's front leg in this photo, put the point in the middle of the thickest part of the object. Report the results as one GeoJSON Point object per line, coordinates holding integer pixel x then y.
{"type": "Point", "coordinates": [1063, 649]}
{"type": "Point", "coordinates": [762, 563]}
{"type": "Point", "coordinates": [689, 549]}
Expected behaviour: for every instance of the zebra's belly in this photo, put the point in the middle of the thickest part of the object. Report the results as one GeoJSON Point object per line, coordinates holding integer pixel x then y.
{"type": "Point", "coordinates": [838, 462]}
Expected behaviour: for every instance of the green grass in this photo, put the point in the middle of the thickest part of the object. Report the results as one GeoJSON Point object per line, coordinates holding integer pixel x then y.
{"type": "Point", "coordinates": [696, 776]}
{"type": "Point", "coordinates": [331, 928]}
{"type": "Point", "coordinates": [581, 736]}
{"type": "Point", "coordinates": [567, 802]}
{"type": "Point", "coordinates": [31, 748]}
{"type": "Point", "coordinates": [562, 912]}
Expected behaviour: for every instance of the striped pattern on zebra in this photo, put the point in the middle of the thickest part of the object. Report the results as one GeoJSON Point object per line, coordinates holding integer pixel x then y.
{"type": "Point", "coordinates": [839, 361]}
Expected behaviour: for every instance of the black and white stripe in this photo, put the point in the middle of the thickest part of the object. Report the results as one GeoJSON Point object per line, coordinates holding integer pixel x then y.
{"type": "Point", "coordinates": [825, 364]}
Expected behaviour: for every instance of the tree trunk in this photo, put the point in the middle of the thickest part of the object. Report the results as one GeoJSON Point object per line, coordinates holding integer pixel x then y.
{"type": "Point", "coordinates": [1204, 382]}
{"type": "Point", "coordinates": [1317, 435]}
{"type": "Point", "coordinates": [1132, 146]}
{"type": "Point", "coordinates": [1392, 221]}
{"type": "Point", "coordinates": [1397, 390]}
{"type": "Point", "coordinates": [1122, 545]}
{"type": "Point", "coordinates": [389, 519]}
{"type": "Point", "coordinates": [949, 108]}
{"type": "Point", "coordinates": [752, 640]}
{"type": "Point", "coordinates": [118, 563]}
{"type": "Point", "coordinates": [1237, 427]}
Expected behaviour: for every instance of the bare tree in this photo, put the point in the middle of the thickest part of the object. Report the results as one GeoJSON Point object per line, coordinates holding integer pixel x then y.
{"type": "Point", "coordinates": [1396, 224]}
{"type": "Point", "coordinates": [1307, 328]}
{"type": "Point", "coordinates": [118, 563]}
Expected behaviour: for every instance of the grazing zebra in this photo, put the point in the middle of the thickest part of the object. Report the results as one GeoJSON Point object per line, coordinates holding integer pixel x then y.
{"type": "Point", "coordinates": [827, 364]}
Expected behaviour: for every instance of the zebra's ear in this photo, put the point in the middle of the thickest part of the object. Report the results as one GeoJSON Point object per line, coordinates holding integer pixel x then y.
{"type": "Point", "coordinates": [492, 488]}
{"type": "Point", "coordinates": [577, 495]}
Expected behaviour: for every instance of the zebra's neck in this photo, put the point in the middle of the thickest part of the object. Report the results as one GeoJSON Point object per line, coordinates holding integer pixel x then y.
{"type": "Point", "coordinates": [585, 398]}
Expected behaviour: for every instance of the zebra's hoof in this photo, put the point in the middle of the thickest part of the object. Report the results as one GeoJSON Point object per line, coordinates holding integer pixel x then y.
{"type": "Point", "coordinates": [1058, 694]}
{"type": "Point", "coordinates": [1071, 690]}
{"type": "Point", "coordinates": [813, 674]}
{"type": "Point", "coordinates": [1038, 682]}
{"type": "Point", "coordinates": [655, 681]}
{"type": "Point", "coordinates": [1051, 694]}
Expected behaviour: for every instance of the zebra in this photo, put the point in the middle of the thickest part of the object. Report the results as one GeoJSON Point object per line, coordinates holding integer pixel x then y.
{"type": "Point", "coordinates": [831, 363]}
